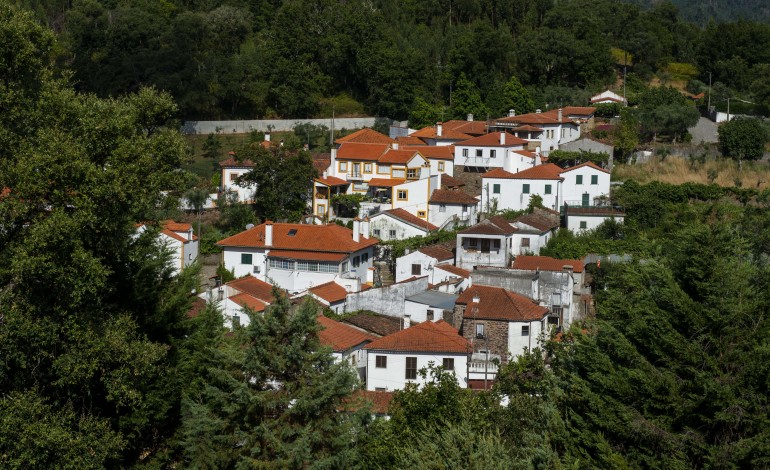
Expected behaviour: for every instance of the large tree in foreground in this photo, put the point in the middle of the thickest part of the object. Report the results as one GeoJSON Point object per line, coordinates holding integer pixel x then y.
{"type": "Point", "coordinates": [743, 139]}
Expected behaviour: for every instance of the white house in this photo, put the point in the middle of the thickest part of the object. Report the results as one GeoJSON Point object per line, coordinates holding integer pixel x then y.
{"type": "Point", "coordinates": [585, 185]}
{"type": "Point", "coordinates": [552, 128]}
{"type": "Point", "coordinates": [421, 262]}
{"type": "Point", "coordinates": [239, 296]}
{"type": "Point", "coordinates": [580, 219]}
{"type": "Point", "coordinates": [296, 257]}
{"type": "Point", "coordinates": [493, 150]}
{"type": "Point", "coordinates": [607, 97]}
{"type": "Point", "coordinates": [533, 231]}
{"type": "Point", "coordinates": [179, 239]}
{"type": "Point", "coordinates": [488, 243]}
{"type": "Point", "coordinates": [429, 306]}
{"type": "Point", "coordinates": [450, 208]}
{"type": "Point", "coordinates": [398, 224]}
{"type": "Point", "coordinates": [450, 278]}
{"type": "Point", "coordinates": [438, 135]}
{"type": "Point", "coordinates": [331, 295]}
{"type": "Point", "coordinates": [395, 360]}
{"type": "Point", "coordinates": [346, 342]}
{"type": "Point", "coordinates": [502, 190]}
{"type": "Point", "coordinates": [231, 170]}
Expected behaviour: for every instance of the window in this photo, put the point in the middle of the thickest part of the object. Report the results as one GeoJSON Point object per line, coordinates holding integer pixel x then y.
{"type": "Point", "coordinates": [496, 188]}
{"type": "Point", "coordinates": [578, 179]}
{"type": "Point", "coordinates": [356, 261]}
{"type": "Point", "coordinates": [583, 224]}
{"type": "Point", "coordinates": [345, 267]}
{"type": "Point", "coordinates": [364, 258]}
{"type": "Point", "coordinates": [233, 176]}
{"type": "Point", "coordinates": [525, 189]}
{"type": "Point", "coordinates": [416, 269]}
{"type": "Point", "coordinates": [380, 389]}
{"type": "Point", "coordinates": [381, 362]}
{"type": "Point", "coordinates": [479, 330]}
{"type": "Point", "coordinates": [496, 244]}
{"type": "Point", "coordinates": [442, 208]}
{"type": "Point", "coordinates": [548, 189]}
{"type": "Point", "coordinates": [344, 167]}
{"type": "Point", "coordinates": [281, 263]}
{"type": "Point", "coordinates": [473, 242]}
{"type": "Point", "coordinates": [236, 321]}
{"type": "Point", "coordinates": [448, 363]}
{"type": "Point", "coordinates": [465, 153]}
{"type": "Point", "coordinates": [189, 256]}
{"type": "Point", "coordinates": [402, 194]}
{"type": "Point", "coordinates": [430, 314]}
{"type": "Point", "coordinates": [367, 167]}
{"type": "Point", "coordinates": [392, 234]}
{"type": "Point", "coordinates": [594, 179]}
{"type": "Point", "coordinates": [525, 330]}
{"type": "Point", "coordinates": [411, 368]}
{"type": "Point", "coordinates": [479, 153]}
{"type": "Point", "coordinates": [465, 208]}
{"type": "Point", "coordinates": [321, 209]}
{"type": "Point", "coordinates": [246, 258]}
{"type": "Point", "coordinates": [412, 173]}
{"type": "Point", "coordinates": [377, 232]}
{"type": "Point", "coordinates": [492, 153]}
{"type": "Point", "coordinates": [383, 170]}
{"type": "Point", "coordinates": [421, 214]}
{"type": "Point", "coordinates": [525, 242]}
{"type": "Point", "coordinates": [440, 166]}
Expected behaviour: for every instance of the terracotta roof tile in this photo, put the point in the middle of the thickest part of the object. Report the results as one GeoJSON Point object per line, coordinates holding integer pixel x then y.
{"type": "Point", "coordinates": [424, 337]}
{"type": "Point", "coordinates": [498, 173]}
{"type": "Point", "coordinates": [254, 287]}
{"type": "Point", "coordinates": [539, 221]}
{"type": "Point", "coordinates": [196, 308]}
{"type": "Point", "coordinates": [466, 127]}
{"type": "Point", "coordinates": [248, 301]}
{"type": "Point", "coordinates": [410, 219]}
{"type": "Point", "coordinates": [496, 225]}
{"type": "Point", "coordinates": [457, 271]}
{"type": "Point", "coordinates": [550, 116]}
{"type": "Point", "coordinates": [450, 182]}
{"type": "Point", "coordinates": [332, 238]}
{"type": "Point", "coordinates": [377, 402]}
{"type": "Point", "coordinates": [546, 171]}
{"type": "Point", "coordinates": [339, 336]}
{"type": "Point", "coordinates": [385, 182]}
{"type": "Point", "coordinates": [451, 196]}
{"type": "Point", "coordinates": [435, 152]}
{"type": "Point", "coordinates": [233, 163]}
{"type": "Point", "coordinates": [332, 181]}
{"type": "Point", "coordinates": [362, 152]}
{"type": "Point", "coordinates": [380, 325]}
{"type": "Point", "coordinates": [176, 226]}
{"type": "Point", "coordinates": [410, 140]}
{"type": "Point", "coordinates": [446, 134]}
{"type": "Point", "coordinates": [546, 263]}
{"type": "Point", "coordinates": [397, 156]}
{"type": "Point", "coordinates": [437, 252]}
{"type": "Point", "coordinates": [588, 164]}
{"type": "Point", "coordinates": [330, 292]}
{"type": "Point", "coordinates": [365, 136]}
{"type": "Point", "coordinates": [493, 140]}
{"type": "Point", "coordinates": [174, 235]}
{"type": "Point", "coordinates": [496, 303]}
{"type": "Point", "coordinates": [321, 162]}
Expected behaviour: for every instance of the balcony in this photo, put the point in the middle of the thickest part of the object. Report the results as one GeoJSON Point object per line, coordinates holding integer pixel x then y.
{"type": "Point", "coordinates": [354, 176]}
{"type": "Point", "coordinates": [599, 206]}
{"type": "Point", "coordinates": [478, 161]}
{"type": "Point", "coordinates": [482, 363]}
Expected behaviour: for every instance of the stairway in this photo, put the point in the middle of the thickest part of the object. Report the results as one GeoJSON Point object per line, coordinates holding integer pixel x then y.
{"type": "Point", "coordinates": [384, 275]}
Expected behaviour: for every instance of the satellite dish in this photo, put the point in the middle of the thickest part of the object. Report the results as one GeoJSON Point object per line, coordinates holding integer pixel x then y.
{"type": "Point", "coordinates": [249, 226]}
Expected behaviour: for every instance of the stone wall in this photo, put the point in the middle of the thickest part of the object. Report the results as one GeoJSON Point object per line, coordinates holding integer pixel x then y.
{"type": "Point", "coordinates": [387, 300]}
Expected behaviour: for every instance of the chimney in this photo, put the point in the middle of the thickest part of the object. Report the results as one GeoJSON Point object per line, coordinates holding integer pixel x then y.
{"type": "Point", "coordinates": [365, 227]}
{"type": "Point", "coordinates": [407, 321]}
{"type": "Point", "coordinates": [356, 229]}
{"type": "Point", "coordinates": [267, 136]}
{"type": "Point", "coordinates": [538, 158]}
{"type": "Point", "coordinates": [476, 298]}
{"type": "Point", "coordinates": [394, 145]}
{"type": "Point", "coordinates": [469, 117]}
{"type": "Point", "coordinates": [190, 233]}
{"type": "Point", "coordinates": [538, 110]}
{"type": "Point", "coordinates": [560, 115]}
{"type": "Point", "coordinates": [439, 129]}
{"type": "Point", "coordinates": [269, 233]}
{"type": "Point", "coordinates": [511, 113]}
{"type": "Point", "coordinates": [502, 138]}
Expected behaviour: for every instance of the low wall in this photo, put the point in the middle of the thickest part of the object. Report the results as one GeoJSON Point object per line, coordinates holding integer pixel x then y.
{"type": "Point", "coordinates": [387, 300]}
{"type": "Point", "coordinates": [261, 125]}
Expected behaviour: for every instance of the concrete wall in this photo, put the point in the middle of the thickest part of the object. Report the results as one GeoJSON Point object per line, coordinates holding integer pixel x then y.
{"type": "Point", "coordinates": [512, 196]}
{"type": "Point", "coordinates": [280, 125]}
{"type": "Point", "coordinates": [574, 192]}
{"type": "Point", "coordinates": [387, 300]}
{"type": "Point", "coordinates": [591, 221]}
{"type": "Point", "coordinates": [393, 377]}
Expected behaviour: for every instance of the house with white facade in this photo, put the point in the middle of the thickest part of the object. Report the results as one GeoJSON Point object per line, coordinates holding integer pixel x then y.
{"type": "Point", "coordinates": [346, 342]}
{"type": "Point", "coordinates": [241, 296]}
{"type": "Point", "coordinates": [438, 135]}
{"type": "Point", "coordinates": [493, 150]}
{"type": "Point", "coordinates": [421, 261]}
{"type": "Point", "coordinates": [552, 128]}
{"type": "Point", "coordinates": [580, 218]}
{"type": "Point", "coordinates": [488, 243]}
{"type": "Point", "coordinates": [533, 231]}
{"type": "Point", "coordinates": [502, 190]}
{"type": "Point", "coordinates": [585, 185]}
{"type": "Point", "coordinates": [450, 208]}
{"type": "Point", "coordinates": [450, 278]}
{"type": "Point", "coordinates": [607, 97]}
{"type": "Point", "coordinates": [398, 224]}
{"type": "Point", "coordinates": [179, 239]}
{"type": "Point", "coordinates": [232, 169]}
{"type": "Point", "coordinates": [429, 306]}
{"type": "Point", "coordinates": [395, 360]}
{"type": "Point", "coordinates": [297, 257]}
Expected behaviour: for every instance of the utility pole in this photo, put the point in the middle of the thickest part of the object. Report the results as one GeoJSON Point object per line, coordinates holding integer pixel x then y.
{"type": "Point", "coordinates": [709, 102]}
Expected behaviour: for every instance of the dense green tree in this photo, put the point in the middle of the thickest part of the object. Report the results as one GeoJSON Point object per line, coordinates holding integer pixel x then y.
{"type": "Point", "coordinates": [424, 114]}
{"type": "Point", "coordinates": [516, 97]}
{"type": "Point", "coordinates": [466, 99]}
{"type": "Point", "coordinates": [665, 110]}
{"type": "Point", "coordinates": [743, 139]}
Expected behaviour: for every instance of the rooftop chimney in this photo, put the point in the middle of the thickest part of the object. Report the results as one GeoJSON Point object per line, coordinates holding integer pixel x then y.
{"type": "Point", "coordinates": [511, 113]}
{"type": "Point", "coordinates": [476, 298]}
{"type": "Point", "coordinates": [269, 233]}
{"type": "Point", "coordinates": [356, 229]}
{"type": "Point", "coordinates": [439, 129]}
{"type": "Point", "coordinates": [394, 145]}
{"type": "Point", "coordinates": [559, 114]}
{"type": "Point", "coordinates": [502, 138]}
{"type": "Point", "coordinates": [469, 117]}
{"type": "Point", "coordinates": [538, 110]}
{"type": "Point", "coordinates": [267, 136]}
{"type": "Point", "coordinates": [538, 158]}
{"type": "Point", "coordinates": [365, 227]}
{"type": "Point", "coordinates": [407, 321]}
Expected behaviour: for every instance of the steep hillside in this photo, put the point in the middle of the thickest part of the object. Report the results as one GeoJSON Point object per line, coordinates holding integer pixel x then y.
{"type": "Point", "coordinates": [703, 11]}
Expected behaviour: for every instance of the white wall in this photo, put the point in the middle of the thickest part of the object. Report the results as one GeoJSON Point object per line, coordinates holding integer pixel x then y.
{"type": "Point", "coordinates": [517, 343]}
{"type": "Point", "coordinates": [467, 258]}
{"type": "Point", "coordinates": [404, 265]}
{"type": "Point", "coordinates": [190, 252]}
{"type": "Point", "coordinates": [486, 159]}
{"type": "Point", "coordinates": [536, 242]}
{"type": "Point", "coordinates": [245, 194]}
{"type": "Point", "coordinates": [385, 224]}
{"type": "Point", "coordinates": [574, 192]}
{"type": "Point", "coordinates": [591, 222]}
{"type": "Point", "coordinates": [438, 218]}
{"type": "Point", "coordinates": [449, 166]}
{"type": "Point", "coordinates": [439, 276]}
{"type": "Point", "coordinates": [418, 312]}
{"type": "Point", "coordinates": [394, 376]}
{"type": "Point", "coordinates": [418, 193]}
{"type": "Point", "coordinates": [231, 257]}
{"type": "Point", "coordinates": [511, 195]}
{"type": "Point", "coordinates": [515, 162]}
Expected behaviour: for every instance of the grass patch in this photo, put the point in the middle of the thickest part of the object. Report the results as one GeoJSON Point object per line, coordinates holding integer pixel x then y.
{"type": "Point", "coordinates": [674, 170]}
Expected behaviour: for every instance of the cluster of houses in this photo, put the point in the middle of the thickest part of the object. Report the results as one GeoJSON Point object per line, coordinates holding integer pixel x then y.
{"type": "Point", "coordinates": [469, 305]}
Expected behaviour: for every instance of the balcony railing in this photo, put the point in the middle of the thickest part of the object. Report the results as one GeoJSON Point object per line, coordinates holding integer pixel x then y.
{"type": "Point", "coordinates": [355, 175]}
{"type": "Point", "coordinates": [595, 206]}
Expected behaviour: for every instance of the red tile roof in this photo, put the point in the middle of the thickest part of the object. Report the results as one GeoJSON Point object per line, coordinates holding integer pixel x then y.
{"type": "Point", "coordinates": [550, 116]}
{"type": "Point", "coordinates": [546, 171]}
{"type": "Point", "coordinates": [466, 127]}
{"type": "Point", "coordinates": [233, 163]}
{"type": "Point", "coordinates": [397, 156]}
{"type": "Point", "coordinates": [576, 110]}
{"type": "Point", "coordinates": [451, 196]}
{"type": "Point", "coordinates": [437, 252]}
{"type": "Point", "coordinates": [446, 134]}
{"type": "Point", "coordinates": [248, 301]}
{"type": "Point", "coordinates": [496, 303]}
{"type": "Point", "coordinates": [526, 153]}
{"type": "Point", "coordinates": [496, 225]}
{"type": "Point", "coordinates": [546, 263]}
{"type": "Point", "coordinates": [588, 164]}
{"type": "Point", "coordinates": [424, 337]}
{"type": "Point", "coordinates": [493, 140]}
{"type": "Point", "coordinates": [254, 287]}
{"type": "Point", "coordinates": [457, 271]}
{"type": "Point", "coordinates": [330, 292]}
{"type": "Point", "coordinates": [321, 162]}
{"type": "Point", "coordinates": [377, 324]}
{"type": "Point", "coordinates": [176, 226]}
{"type": "Point", "coordinates": [362, 152]}
{"type": "Point", "coordinates": [539, 221]}
{"type": "Point", "coordinates": [435, 152]}
{"type": "Point", "coordinates": [198, 305]}
{"type": "Point", "coordinates": [332, 181]}
{"type": "Point", "coordinates": [498, 173]}
{"type": "Point", "coordinates": [385, 182]}
{"type": "Point", "coordinates": [410, 140]}
{"type": "Point", "coordinates": [174, 235]}
{"type": "Point", "coordinates": [379, 401]}
{"type": "Point", "coordinates": [365, 136]}
{"type": "Point", "coordinates": [449, 182]}
{"type": "Point", "coordinates": [341, 337]}
{"type": "Point", "coordinates": [410, 219]}
{"type": "Point", "coordinates": [331, 238]}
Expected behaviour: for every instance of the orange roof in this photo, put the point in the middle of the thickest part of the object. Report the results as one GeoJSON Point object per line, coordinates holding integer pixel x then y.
{"type": "Point", "coordinates": [451, 196]}
{"type": "Point", "coordinates": [248, 301]}
{"type": "Point", "coordinates": [340, 337]}
{"type": "Point", "coordinates": [332, 181]}
{"type": "Point", "coordinates": [380, 401]}
{"type": "Point", "coordinates": [330, 292]}
{"type": "Point", "coordinates": [538, 221]}
{"type": "Point", "coordinates": [410, 140]}
{"type": "Point", "coordinates": [254, 287]}
{"type": "Point", "coordinates": [331, 238]}
{"type": "Point", "coordinates": [425, 337]}
{"type": "Point", "coordinates": [457, 271]}
{"type": "Point", "coordinates": [321, 162]}
{"type": "Point", "coordinates": [546, 171]}
{"type": "Point", "coordinates": [466, 127]}
{"type": "Point", "coordinates": [576, 110]}
{"type": "Point", "coordinates": [174, 235]}
{"type": "Point", "coordinates": [385, 182]}
{"type": "Point", "coordinates": [498, 173]}
{"type": "Point", "coordinates": [365, 136]}
{"type": "Point", "coordinates": [496, 225]}
{"type": "Point", "coordinates": [446, 134]}
{"type": "Point", "coordinates": [436, 252]}
{"type": "Point", "coordinates": [232, 162]}
{"type": "Point", "coordinates": [410, 218]}
{"type": "Point", "coordinates": [589, 164]}
{"type": "Point", "coordinates": [547, 117]}
{"type": "Point", "coordinates": [435, 152]}
{"type": "Point", "coordinates": [449, 181]}
{"type": "Point", "coordinates": [526, 153]}
{"type": "Point", "coordinates": [546, 263]}
{"type": "Point", "coordinates": [496, 303]}
{"type": "Point", "coordinates": [363, 152]}
{"type": "Point", "coordinates": [397, 156]}
{"type": "Point", "coordinates": [493, 140]}
{"type": "Point", "coordinates": [176, 226]}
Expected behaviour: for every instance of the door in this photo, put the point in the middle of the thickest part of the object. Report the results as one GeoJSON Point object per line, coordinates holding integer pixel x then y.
{"type": "Point", "coordinates": [484, 245]}
{"type": "Point", "coordinates": [585, 199]}
{"type": "Point", "coordinates": [356, 170]}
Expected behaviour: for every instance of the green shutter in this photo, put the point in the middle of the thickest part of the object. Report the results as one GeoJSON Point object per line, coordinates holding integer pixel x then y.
{"type": "Point", "coordinates": [526, 189]}
{"type": "Point", "coordinates": [548, 189]}
{"type": "Point", "coordinates": [496, 188]}
{"type": "Point", "coordinates": [579, 179]}
{"type": "Point", "coordinates": [594, 179]}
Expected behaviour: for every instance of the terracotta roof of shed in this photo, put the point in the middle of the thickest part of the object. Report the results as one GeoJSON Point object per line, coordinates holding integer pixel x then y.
{"type": "Point", "coordinates": [451, 196]}
{"type": "Point", "coordinates": [377, 324]}
{"type": "Point", "coordinates": [331, 238]}
{"type": "Point", "coordinates": [497, 303]}
{"type": "Point", "coordinates": [248, 301]}
{"type": "Point", "coordinates": [363, 152]}
{"type": "Point", "coordinates": [446, 134]}
{"type": "Point", "coordinates": [410, 218]}
{"type": "Point", "coordinates": [340, 337]}
{"type": "Point", "coordinates": [456, 270]}
{"type": "Point", "coordinates": [365, 136]}
{"type": "Point", "coordinates": [496, 225]}
{"type": "Point", "coordinates": [332, 181]}
{"type": "Point", "coordinates": [330, 292]}
{"type": "Point", "coordinates": [449, 182]}
{"type": "Point", "coordinates": [385, 182]}
{"type": "Point", "coordinates": [539, 221]}
{"type": "Point", "coordinates": [380, 401]}
{"type": "Point", "coordinates": [436, 252]}
{"type": "Point", "coordinates": [546, 263]}
{"type": "Point", "coordinates": [254, 287]}
{"type": "Point", "coordinates": [424, 337]}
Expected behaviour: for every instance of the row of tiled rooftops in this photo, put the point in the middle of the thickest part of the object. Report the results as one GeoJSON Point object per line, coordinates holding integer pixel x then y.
{"type": "Point", "coordinates": [546, 171]}
{"type": "Point", "coordinates": [540, 221]}
{"type": "Point", "coordinates": [292, 240]}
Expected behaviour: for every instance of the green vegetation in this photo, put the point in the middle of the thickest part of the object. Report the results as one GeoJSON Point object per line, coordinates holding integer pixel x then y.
{"type": "Point", "coordinates": [743, 139]}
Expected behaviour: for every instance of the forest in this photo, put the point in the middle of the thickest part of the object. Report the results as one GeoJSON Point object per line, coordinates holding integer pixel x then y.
{"type": "Point", "coordinates": [296, 59]}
